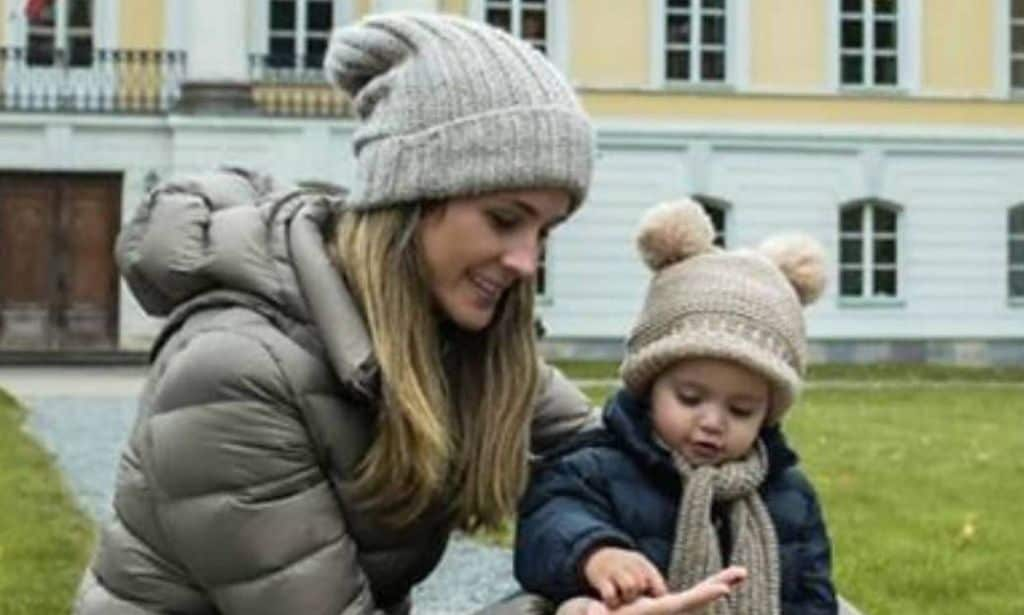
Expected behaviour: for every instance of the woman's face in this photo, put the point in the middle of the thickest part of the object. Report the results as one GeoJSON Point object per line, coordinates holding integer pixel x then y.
{"type": "Point", "coordinates": [476, 248]}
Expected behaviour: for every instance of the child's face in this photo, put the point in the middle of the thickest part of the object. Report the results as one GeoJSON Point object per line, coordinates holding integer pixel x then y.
{"type": "Point", "coordinates": [709, 410]}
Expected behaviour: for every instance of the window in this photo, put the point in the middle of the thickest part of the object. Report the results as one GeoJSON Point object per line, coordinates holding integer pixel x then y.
{"type": "Point", "coordinates": [1017, 44]}
{"type": "Point", "coordinates": [540, 279]}
{"type": "Point", "coordinates": [695, 41]}
{"type": "Point", "coordinates": [299, 30]}
{"type": "Point", "coordinates": [868, 43]}
{"type": "Point", "coordinates": [526, 19]}
{"type": "Point", "coordinates": [60, 33]}
{"type": "Point", "coordinates": [868, 245]}
{"type": "Point", "coordinates": [1015, 253]}
{"type": "Point", "coordinates": [716, 209]}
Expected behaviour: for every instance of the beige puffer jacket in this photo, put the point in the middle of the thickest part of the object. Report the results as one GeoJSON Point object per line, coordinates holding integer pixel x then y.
{"type": "Point", "coordinates": [231, 492]}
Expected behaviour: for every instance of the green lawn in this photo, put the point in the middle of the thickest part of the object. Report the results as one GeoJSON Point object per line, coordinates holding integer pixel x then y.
{"type": "Point", "coordinates": [922, 484]}
{"type": "Point", "coordinates": [44, 538]}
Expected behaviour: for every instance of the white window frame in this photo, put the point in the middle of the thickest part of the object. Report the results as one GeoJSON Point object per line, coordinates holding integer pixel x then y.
{"type": "Point", "coordinates": [556, 34]}
{"type": "Point", "coordinates": [737, 49]}
{"type": "Point", "coordinates": [104, 27]}
{"type": "Point", "coordinates": [1011, 266]}
{"type": "Point", "coordinates": [1004, 48]}
{"type": "Point", "coordinates": [867, 266]}
{"type": "Point", "coordinates": [259, 23]}
{"type": "Point", "coordinates": [908, 49]}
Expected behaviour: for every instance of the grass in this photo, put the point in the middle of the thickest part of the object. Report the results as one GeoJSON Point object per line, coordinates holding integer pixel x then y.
{"type": "Point", "coordinates": [44, 538]}
{"type": "Point", "coordinates": [883, 372]}
{"type": "Point", "coordinates": [921, 484]}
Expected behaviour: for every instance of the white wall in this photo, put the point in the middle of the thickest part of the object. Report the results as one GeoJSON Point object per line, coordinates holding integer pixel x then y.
{"type": "Point", "coordinates": [955, 189]}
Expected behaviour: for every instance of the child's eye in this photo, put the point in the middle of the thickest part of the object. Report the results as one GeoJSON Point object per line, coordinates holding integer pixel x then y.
{"type": "Point", "coordinates": [687, 398]}
{"type": "Point", "coordinates": [742, 412]}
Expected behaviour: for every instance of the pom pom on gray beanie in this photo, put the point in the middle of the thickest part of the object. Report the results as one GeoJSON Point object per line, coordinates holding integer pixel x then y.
{"type": "Point", "coordinates": [450, 107]}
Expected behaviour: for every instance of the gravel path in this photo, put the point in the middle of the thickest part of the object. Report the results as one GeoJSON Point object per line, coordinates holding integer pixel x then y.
{"type": "Point", "coordinates": [86, 432]}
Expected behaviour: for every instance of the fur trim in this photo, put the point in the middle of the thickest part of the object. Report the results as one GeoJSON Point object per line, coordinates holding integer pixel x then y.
{"type": "Point", "coordinates": [673, 231]}
{"type": "Point", "coordinates": [802, 260]}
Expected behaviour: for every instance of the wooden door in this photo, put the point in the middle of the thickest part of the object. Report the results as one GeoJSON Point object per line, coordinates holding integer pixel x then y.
{"type": "Point", "coordinates": [58, 280]}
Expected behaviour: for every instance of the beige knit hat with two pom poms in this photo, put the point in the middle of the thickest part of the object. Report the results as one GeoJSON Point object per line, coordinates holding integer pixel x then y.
{"type": "Point", "coordinates": [743, 305]}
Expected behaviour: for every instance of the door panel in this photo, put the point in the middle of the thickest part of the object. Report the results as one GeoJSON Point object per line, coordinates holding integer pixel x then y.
{"type": "Point", "coordinates": [58, 281]}
{"type": "Point", "coordinates": [88, 283]}
{"type": "Point", "coordinates": [27, 230]}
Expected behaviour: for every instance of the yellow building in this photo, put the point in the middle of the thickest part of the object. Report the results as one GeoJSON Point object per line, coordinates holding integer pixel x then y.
{"type": "Point", "coordinates": [889, 129]}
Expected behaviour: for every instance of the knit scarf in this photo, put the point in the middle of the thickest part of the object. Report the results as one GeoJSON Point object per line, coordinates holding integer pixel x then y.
{"type": "Point", "coordinates": [696, 553]}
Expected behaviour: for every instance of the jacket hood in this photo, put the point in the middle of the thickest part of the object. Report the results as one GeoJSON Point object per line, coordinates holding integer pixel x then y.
{"type": "Point", "coordinates": [237, 236]}
{"type": "Point", "coordinates": [628, 418]}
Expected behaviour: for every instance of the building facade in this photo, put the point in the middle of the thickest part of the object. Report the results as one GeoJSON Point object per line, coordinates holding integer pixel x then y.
{"type": "Point", "coordinates": [889, 129]}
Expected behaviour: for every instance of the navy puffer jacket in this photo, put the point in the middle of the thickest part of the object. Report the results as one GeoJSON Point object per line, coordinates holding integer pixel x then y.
{"type": "Point", "coordinates": [616, 487]}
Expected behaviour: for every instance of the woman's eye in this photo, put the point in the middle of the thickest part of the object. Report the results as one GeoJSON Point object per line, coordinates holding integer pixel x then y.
{"type": "Point", "coordinates": [742, 412]}
{"type": "Point", "coordinates": [502, 220]}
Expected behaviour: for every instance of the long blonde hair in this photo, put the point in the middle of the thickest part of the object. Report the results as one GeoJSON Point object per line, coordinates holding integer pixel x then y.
{"type": "Point", "coordinates": [456, 406]}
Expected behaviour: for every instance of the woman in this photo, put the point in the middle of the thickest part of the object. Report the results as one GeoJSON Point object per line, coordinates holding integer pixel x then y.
{"type": "Point", "coordinates": [343, 379]}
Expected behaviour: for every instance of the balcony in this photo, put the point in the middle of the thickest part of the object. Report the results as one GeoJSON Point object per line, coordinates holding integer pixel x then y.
{"type": "Point", "coordinates": [114, 81]}
{"type": "Point", "coordinates": [143, 81]}
{"type": "Point", "coordinates": [293, 86]}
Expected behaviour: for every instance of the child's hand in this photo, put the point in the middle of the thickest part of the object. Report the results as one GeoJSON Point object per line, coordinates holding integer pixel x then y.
{"type": "Point", "coordinates": [692, 600]}
{"type": "Point", "coordinates": [620, 576]}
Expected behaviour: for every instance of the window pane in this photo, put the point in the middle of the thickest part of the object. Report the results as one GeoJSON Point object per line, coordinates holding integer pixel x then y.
{"type": "Point", "coordinates": [851, 220]}
{"type": "Point", "coordinates": [714, 4]}
{"type": "Point", "coordinates": [1017, 220]}
{"type": "Point", "coordinates": [851, 283]}
{"type": "Point", "coordinates": [678, 29]}
{"type": "Point", "coordinates": [536, 3]}
{"type": "Point", "coordinates": [677, 65]}
{"type": "Point", "coordinates": [712, 66]}
{"type": "Point", "coordinates": [885, 71]}
{"type": "Point", "coordinates": [678, 4]}
{"type": "Point", "coordinates": [712, 29]}
{"type": "Point", "coordinates": [80, 13]}
{"type": "Point", "coordinates": [852, 68]}
{"type": "Point", "coordinates": [319, 16]}
{"type": "Point", "coordinates": [1017, 283]}
{"type": "Point", "coordinates": [282, 15]}
{"type": "Point", "coordinates": [1018, 8]}
{"type": "Point", "coordinates": [500, 18]}
{"type": "Point", "coordinates": [853, 34]}
{"type": "Point", "coordinates": [1017, 73]}
{"type": "Point", "coordinates": [885, 35]}
{"type": "Point", "coordinates": [885, 251]}
{"type": "Point", "coordinates": [282, 52]}
{"type": "Point", "coordinates": [1017, 37]}
{"type": "Point", "coordinates": [534, 25]}
{"type": "Point", "coordinates": [885, 220]}
{"type": "Point", "coordinates": [853, 6]}
{"type": "Point", "coordinates": [315, 49]}
{"type": "Point", "coordinates": [80, 51]}
{"type": "Point", "coordinates": [47, 16]}
{"type": "Point", "coordinates": [887, 7]}
{"type": "Point", "coordinates": [850, 251]}
{"type": "Point", "coordinates": [885, 283]}
{"type": "Point", "coordinates": [40, 50]}
{"type": "Point", "coordinates": [1017, 252]}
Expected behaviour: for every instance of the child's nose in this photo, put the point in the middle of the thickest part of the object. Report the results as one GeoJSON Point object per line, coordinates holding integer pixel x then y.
{"type": "Point", "coordinates": [712, 420]}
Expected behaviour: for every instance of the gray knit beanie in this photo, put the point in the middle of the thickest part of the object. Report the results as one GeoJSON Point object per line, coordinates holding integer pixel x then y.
{"type": "Point", "coordinates": [741, 305]}
{"type": "Point", "coordinates": [450, 107]}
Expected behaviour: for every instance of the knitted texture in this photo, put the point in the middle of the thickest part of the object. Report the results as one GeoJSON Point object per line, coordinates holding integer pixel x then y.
{"type": "Point", "coordinates": [451, 107]}
{"type": "Point", "coordinates": [696, 553]}
{"type": "Point", "coordinates": [740, 305]}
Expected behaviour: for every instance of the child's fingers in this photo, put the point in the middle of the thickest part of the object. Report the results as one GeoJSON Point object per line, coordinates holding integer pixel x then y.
{"type": "Point", "coordinates": [608, 592]}
{"type": "Point", "coordinates": [629, 585]}
{"type": "Point", "coordinates": [655, 582]}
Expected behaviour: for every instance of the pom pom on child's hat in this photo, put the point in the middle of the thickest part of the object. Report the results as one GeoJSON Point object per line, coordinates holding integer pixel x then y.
{"type": "Point", "coordinates": [742, 305]}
